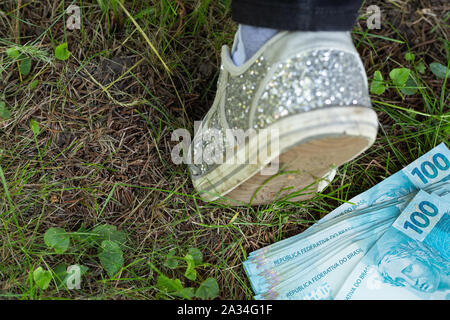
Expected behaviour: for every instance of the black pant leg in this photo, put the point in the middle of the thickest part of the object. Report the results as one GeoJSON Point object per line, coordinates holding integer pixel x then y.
{"type": "Point", "coordinates": [306, 15]}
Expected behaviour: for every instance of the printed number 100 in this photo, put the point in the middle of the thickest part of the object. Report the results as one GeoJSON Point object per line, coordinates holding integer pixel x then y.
{"type": "Point", "coordinates": [430, 169]}
{"type": "Point", "coordinates": [419, 220]}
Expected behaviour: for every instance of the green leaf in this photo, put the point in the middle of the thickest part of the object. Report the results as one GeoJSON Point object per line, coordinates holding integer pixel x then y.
{"type": "Point", "coordinates": [438, 70]}
{"type": "Point", "coordinates": [61, 52]}
{"type": "Point", "coordinates": [42, 278]}
{"type": "Point", "coordinates": [174, 287]}
{"type": "Point", "coordinates": [34, 127]}
{"type": "Point", "coordinates": [421, 67]}
{"type": "Point", "coordinates": [109, 232]}
{"type": "Point", "coordinates": [111, 257]}
{"type": "Point", "coordinates": [12, 52]}
{"type": "Point", "coordinates": [57, 239]}
{"type": "Point", "coordinates": [25, 66]}
{"type": "Point", "coordinates": [190, 273]}
{"type": "Point", "coordinates": [410, 87]}
{"type": "Point", "coordinates": [399, 76]}
{"type": "Point", "coordinates": [209, 289]}
{"type": "Point", "coordinates": [185, 293]}
{"type": "Point", "coordinates": [83, 269]}
{"type": "Point", "coordinates": [197, 255]}
{"type": "Point", "coordinates": [83, 235]}
{"type": "Point", "coordinates": [4, 112]}
{"type": "Point", "coordinates": [61, 275]}
{"type": "Point", "coordinates": [169, 285]}
{"type": "Point", "coordinates": [171, 262]}
{"type": "Point", "coordinates": [410, 56]}
{"type": "Point", "coordinates": [377, 86]}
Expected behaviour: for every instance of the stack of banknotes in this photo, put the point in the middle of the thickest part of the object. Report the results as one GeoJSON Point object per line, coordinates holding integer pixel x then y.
{"type": "Point", "coordinates": [389, 242]}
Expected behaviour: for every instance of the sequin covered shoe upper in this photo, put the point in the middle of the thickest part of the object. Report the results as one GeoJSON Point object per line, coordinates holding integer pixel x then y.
{"type": "Point", "coordinates": [279, 83]}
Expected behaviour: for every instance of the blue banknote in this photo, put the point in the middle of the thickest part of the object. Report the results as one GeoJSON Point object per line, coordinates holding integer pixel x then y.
{"type": "Point", "coordinates": [322, 279]}
{"type": "Point", "coordinates": [313, 265]}
{"type": "Point", "coordinates": [286, 276]}
{"type": "Point", "coordinates": [321, 275]}
{"type": "Point", "coordinates": [411, 260]}
{"type": "Point", "coordinates": [330, 232]}
{"type": "Point", "coordinates": [432, 167]}
{"type": "Point", "coordinates": [428, 170]}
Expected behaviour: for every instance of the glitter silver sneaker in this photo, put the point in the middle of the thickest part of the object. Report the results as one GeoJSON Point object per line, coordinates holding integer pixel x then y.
{"type": "Point", "coordinates": [284, 120]}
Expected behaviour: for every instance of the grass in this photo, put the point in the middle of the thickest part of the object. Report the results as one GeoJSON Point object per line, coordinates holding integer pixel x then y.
{"type": "Point", "coordinates": [106, 115]}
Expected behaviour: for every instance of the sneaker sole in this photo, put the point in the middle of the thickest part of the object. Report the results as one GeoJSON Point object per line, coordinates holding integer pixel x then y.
{"type": "Point", "coordinates": [309, 146]}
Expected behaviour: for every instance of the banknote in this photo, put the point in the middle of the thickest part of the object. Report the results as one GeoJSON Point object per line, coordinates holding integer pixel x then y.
{"type": "Point", "coordinates": [322, 279]}
{"type": "Point", "coordinates": [328, 233]}
{"type": "Point", "coordinates": [411, 260]}
{"type": "Point", "coordinates": [425, 172]}
{"type": "Point", "coordinates": [269, 271]}
{"type": "Point", "coordinates": [443, 192]}
{"type": "Point", "coordinates": [276, 266]}
{"type": "Point", "coordinates": [433, 166]}
{"type": "Point", "coordinates": [322, 276]}
{"type": "Point", "coordinates": [313, 242]}
{"type": "Point", "coordinates": [316, 263]}
{"type": "Point", "coordinates": [269, 279]}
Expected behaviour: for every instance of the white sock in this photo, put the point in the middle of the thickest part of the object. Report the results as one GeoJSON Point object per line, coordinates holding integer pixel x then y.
{"type": "Point", "coordinates": [249, 40]}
